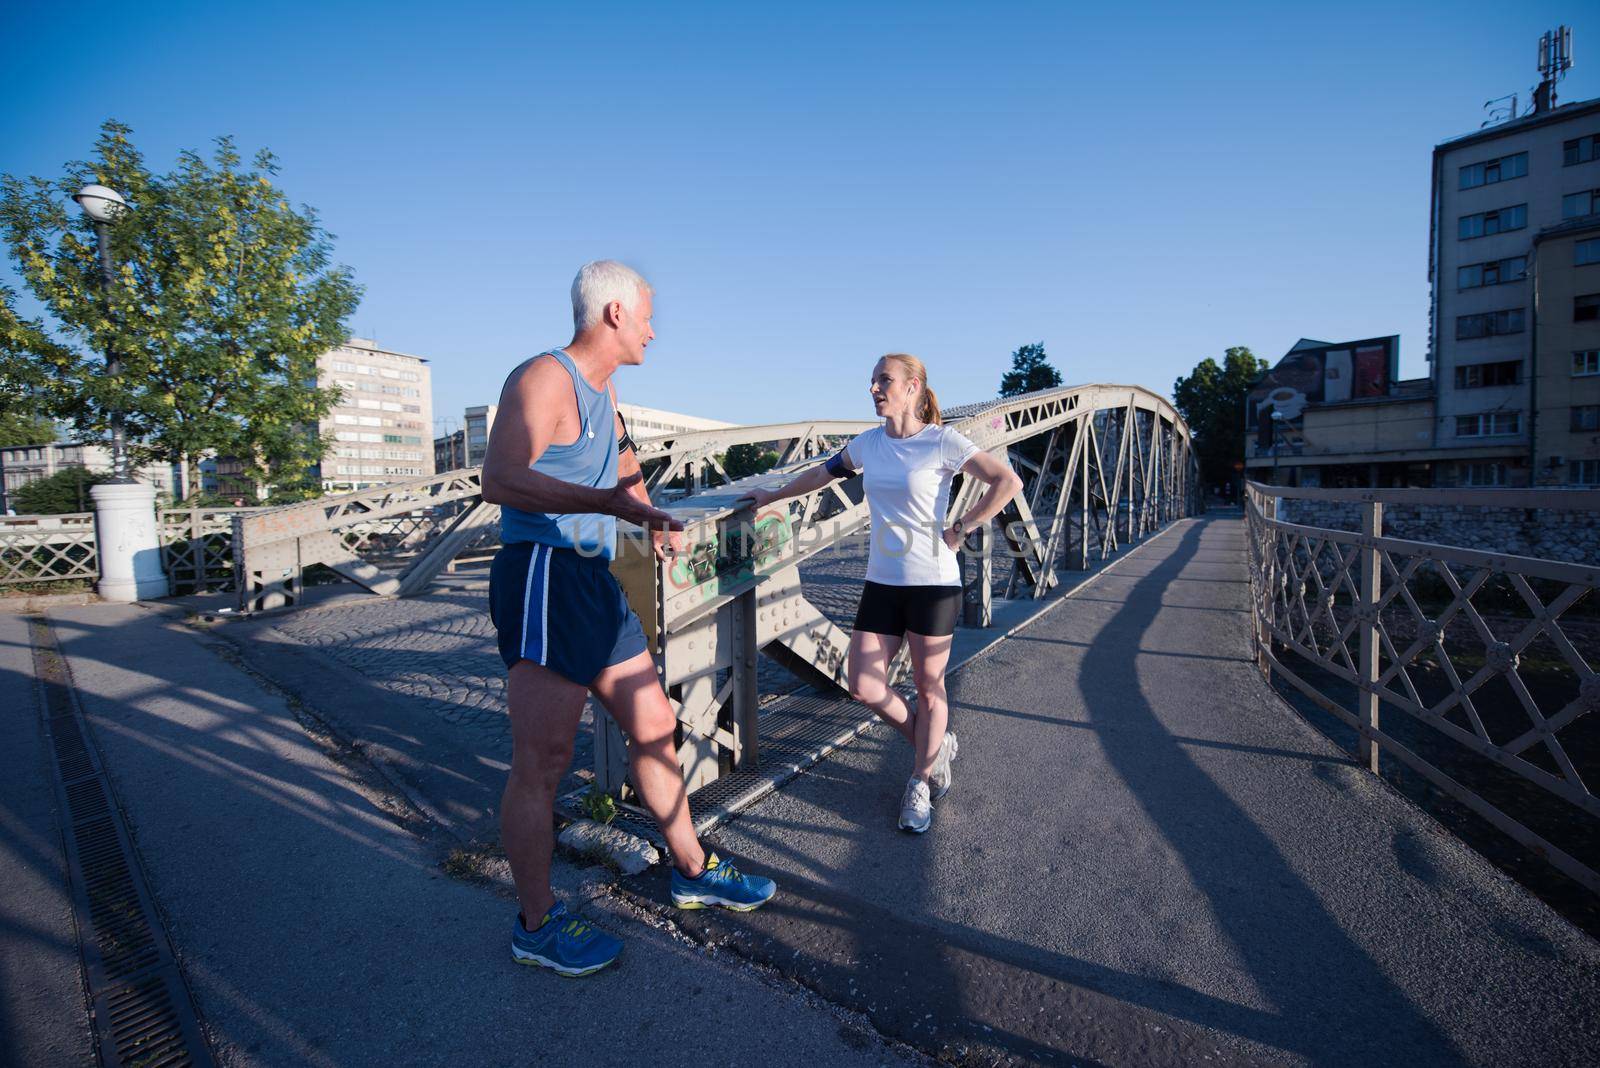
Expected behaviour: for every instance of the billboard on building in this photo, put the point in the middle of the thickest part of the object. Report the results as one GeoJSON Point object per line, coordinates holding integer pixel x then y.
{"type": "Point", "coordinates": [1315, 372]}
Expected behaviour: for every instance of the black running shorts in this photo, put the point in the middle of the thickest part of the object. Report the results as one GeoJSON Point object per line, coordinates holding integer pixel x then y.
{"type": "Point", "coordinates": [893, 610]}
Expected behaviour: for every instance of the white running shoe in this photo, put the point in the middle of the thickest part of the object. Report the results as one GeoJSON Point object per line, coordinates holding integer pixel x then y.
{"type": "Point", "coordinates": [939, 777]}
{"type": "Point", "coordinates": [916, 808]}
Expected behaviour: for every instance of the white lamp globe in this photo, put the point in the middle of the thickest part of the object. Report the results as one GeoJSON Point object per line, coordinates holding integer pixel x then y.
{"type": "Point", "coordinates": [100, 203]}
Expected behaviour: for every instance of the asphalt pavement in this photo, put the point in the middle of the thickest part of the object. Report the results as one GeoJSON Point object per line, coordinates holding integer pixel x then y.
{"type": "Point", "coordinates": [43, 1017]}
{"type": "Point", "coordinates": [1148, 858]}
{"type": "Point", "coordinates": [314, 927]}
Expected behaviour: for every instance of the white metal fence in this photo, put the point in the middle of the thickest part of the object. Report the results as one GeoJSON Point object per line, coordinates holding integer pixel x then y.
{"type": "Point", "coordinates": [1475, 669]}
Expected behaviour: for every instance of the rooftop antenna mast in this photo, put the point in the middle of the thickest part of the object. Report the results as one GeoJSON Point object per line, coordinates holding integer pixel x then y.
{"type": "Point", "coordinates": [1555, 59]}
{"type": "Point", "coordinates": [1499, 111]}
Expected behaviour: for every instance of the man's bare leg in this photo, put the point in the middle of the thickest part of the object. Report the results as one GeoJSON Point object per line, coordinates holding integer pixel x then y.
{"type": "Point", "coordinates": [870, 656]}
{"type": "Point", "coordinates": [545, 709]}
{"type": "Point", "coordinates": [632, 694]}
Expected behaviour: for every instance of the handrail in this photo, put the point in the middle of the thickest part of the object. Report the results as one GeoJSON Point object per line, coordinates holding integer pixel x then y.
{"type": "Point", "coordinates": [1548, 497]}
{"type": "Point", "coordinates": [1472, 646]}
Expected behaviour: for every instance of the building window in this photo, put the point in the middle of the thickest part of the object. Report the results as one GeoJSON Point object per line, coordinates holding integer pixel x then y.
{"type": "Point", "coordinates": [1478, 375]}
{"type": "Point", "coordinates": [1586, 362]}
{"type": "Point", "coordinates": [1580, 150]}
{"type": "Point", "coordinates": [1489, 324]}
{"type": "Point", "coordinates": [1493, 273]}
{"type": "Point", "coordinates": [1585, 416]}
{"type": "Point", "coordinates": [1585, 472]}
{"type": "Point", "coordinates": [1488, 425]}
{"type": "Point", "coordinates": [1481, 474]}
{"type": "Point", "coordinates": [1586, 307]}
{"type": "Point", "coordinates": [1499, 221]}
{"type": "Point", "coordinates": [1491, 171]}
{"type": "Point", "coordinates": [1577, 205]}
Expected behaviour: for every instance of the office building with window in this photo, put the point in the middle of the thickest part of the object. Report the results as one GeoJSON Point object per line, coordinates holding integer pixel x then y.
{"type": "Point", "coordinates": [653, 422]}
{"type": "Point", "coordinates": [1514, 265]}
{"type": "Point", "coordinates": [450, 452]}
{"type": "Point", "coordinates": [382, 426]}
{"type": "Point", "coordinates": [1566, 353]}
{"type": "Point", "coordinates": [22, 464]}
{"type": "Point", "coordinates": [478, 422]}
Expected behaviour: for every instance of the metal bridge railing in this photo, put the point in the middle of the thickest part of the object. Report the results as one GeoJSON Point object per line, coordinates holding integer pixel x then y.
{"type": "Point", "coordinates": [197, 547]}
{"type": "Point", "coordinates": [1477, 670]}
{"type": "Point", "coordinates": [47, 548]}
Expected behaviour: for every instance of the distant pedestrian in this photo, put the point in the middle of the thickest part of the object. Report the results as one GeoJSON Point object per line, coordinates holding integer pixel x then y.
{"type": "Point", "coordinates": [913, 590]}
{"type": "Point", "coordinates": [562, 468]}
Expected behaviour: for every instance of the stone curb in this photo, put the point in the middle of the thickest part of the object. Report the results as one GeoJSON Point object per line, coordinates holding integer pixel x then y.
{"type": "Point", "coordinates": [629, 853]}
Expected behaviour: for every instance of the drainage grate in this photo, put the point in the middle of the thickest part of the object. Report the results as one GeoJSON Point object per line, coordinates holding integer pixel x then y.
{"type": "Point", "coordinates": [142, 1011]}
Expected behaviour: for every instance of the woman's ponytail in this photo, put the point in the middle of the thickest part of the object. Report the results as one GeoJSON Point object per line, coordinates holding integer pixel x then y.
{"type": "Point", "coordinates": [928, 410]}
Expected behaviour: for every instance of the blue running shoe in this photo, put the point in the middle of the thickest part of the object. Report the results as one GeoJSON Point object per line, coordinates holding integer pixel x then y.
{"type": "Point", "coordinates": [564, 943]}
{"type": "Point", "coordinates": [721, 884]}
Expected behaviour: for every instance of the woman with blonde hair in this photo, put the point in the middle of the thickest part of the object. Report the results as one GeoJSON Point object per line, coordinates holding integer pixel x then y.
{"type": "Point", "coordinates": [913, 590]}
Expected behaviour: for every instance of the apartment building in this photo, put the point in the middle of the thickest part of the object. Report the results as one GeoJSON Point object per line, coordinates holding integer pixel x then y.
{"type": "Point", "coordinates": [22, 464]}
{"type": "Point", "coordinates": [1337, 414]}
{"type": "Point", "coordinates": [478, 422]}
{"type": "Point", "coordinates": [1514, 265]}
{"type": "Point", "coordinates": [652, 422]}
{"type": "Point", "coordinates": [1564, 420]}
{"type": "Point", "coordinates": [450, 452]}
{"type": "Point", "coordinates": [382, 426]}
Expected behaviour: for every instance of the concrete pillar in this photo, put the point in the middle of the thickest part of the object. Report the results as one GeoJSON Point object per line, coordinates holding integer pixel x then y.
{"type": "Point", "coordinates": [128, 542]}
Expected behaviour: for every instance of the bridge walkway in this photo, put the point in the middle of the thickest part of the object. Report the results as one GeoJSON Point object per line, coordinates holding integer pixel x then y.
{"type": "Point", "coordinates": [1147, 857]}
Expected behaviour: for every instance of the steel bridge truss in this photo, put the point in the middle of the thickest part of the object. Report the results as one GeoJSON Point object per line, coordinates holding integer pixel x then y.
{"type": "Point", "coordinates": [395, 539]}
{"type": "Point", "coordinates": [1102, 466]}
{"type": "Point", "coordinates": [682, 465]}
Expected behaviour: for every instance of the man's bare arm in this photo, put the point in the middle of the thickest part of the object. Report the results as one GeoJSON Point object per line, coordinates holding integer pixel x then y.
{"type": "Point", "coordinates": [523, 430]}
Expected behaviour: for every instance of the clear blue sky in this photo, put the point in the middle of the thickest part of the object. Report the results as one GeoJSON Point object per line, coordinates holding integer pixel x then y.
{"type": "Point", "coordinates": [810, 188]}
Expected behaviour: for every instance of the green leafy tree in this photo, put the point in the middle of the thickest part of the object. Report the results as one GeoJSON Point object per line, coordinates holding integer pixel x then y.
{"type": "Point", "coordinates": [23, 405]}
{"type": "Point", "coordinates": [20, 428]}
{"type": "Point", "coordinates": [742, 461]}
{"type": "Point", "coordinates": [223, 297]}
{"type": "Point", "coordinates": [1211, 399]}
{"type": "Point", "coordinates": [60, 493]}
{"type": "Point", "coordinates": [1029, 371]}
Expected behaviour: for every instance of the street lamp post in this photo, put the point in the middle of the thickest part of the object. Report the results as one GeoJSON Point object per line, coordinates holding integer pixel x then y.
{"type": "Point", "coordinates": [102, 205]}
{"type": "Point", "coordinates": [128, 543]}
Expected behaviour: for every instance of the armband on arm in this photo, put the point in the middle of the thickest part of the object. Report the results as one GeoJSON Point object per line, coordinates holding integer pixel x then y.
{"type": "Point", "coordinates": [625, 439]}
{"type": "Point", "coordinates": [838, 467]}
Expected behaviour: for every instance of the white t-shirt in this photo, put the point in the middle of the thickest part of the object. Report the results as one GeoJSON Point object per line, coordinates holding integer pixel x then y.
{"type": "Point", "coordinates": [908, 492]}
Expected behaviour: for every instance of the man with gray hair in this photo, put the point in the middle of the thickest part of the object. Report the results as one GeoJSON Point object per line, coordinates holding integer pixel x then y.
{"type": "Point", "coordinates": [563, 470]}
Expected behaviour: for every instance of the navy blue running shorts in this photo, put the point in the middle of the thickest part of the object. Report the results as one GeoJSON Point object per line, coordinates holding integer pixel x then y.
{"type": "Point", "coordinates": [562, 610]}
{"type": "Point", "coordinates": [930, 611]}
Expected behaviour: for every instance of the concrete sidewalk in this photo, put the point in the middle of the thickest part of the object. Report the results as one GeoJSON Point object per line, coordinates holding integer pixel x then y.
{"type": "Point", "coordinates": [314, 928]}
{"type": "Point", "coordinates": [1143, 839]}
{"type": "Point", "coordinates": [43, 1018]}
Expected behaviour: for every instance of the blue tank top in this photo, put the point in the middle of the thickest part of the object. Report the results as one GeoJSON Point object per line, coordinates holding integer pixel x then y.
{"type": "Point", "coordinates": [589, 461]}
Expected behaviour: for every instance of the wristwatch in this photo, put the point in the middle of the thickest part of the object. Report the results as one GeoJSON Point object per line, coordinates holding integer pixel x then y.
{"type": "Point", "coordinates": [959, 526]}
